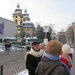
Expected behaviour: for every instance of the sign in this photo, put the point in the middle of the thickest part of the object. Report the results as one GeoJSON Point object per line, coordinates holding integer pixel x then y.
{"type": "Point", "coordinates": [45, 41]}
{"type": "Point", "coordinates": [45, 28]}
{"type": "Point", "coordinates": [2, 28]}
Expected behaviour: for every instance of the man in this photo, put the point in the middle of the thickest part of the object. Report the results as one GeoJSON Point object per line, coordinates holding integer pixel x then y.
{"type": "Point", "coordinates": [33, 57]}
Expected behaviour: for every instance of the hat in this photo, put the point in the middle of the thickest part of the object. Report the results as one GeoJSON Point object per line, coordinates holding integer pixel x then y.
{"type": "Point", "coordinates": [66, 49]}
{"type": "Point", "coordinates": [34, 43]}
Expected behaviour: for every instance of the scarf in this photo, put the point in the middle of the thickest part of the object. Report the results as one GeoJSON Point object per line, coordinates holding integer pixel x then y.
{"type": "Point", "coordinates": [34, 53]}
{"type": "Point", "coordinates": [51, 57]}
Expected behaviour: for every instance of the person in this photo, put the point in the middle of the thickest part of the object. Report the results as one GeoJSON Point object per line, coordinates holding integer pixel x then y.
{"type": "Point", "coordinates": [32, 58]}
{"type": "Point", "coordinates": [6, 46]}
{"type": "Point", "coordinates": [9, 46]}
{"type": "Point", "coordinates": [50, 63]}
{"type": "Point", "coordinates": [67, 56]}
{"type": "Point", "coordinates": [42, 48]}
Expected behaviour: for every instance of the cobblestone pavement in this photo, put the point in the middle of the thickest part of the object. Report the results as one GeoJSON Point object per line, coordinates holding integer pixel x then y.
{"type": "Point", "coordinates": [13, 62]}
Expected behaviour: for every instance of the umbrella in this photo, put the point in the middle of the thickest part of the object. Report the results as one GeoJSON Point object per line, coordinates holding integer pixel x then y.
{"type": "Point", "coordinates": [7, 38]}
{"type": "Point", "coordinates": [13, 38]}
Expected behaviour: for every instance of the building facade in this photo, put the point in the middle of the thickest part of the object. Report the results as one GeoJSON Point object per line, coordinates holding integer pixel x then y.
{"type": "Point", "coordinates": [61, 37]}
{"type": "Point", "coordinates": [9, 28]}
{"type": "Point", "coordinates": [68, 36]}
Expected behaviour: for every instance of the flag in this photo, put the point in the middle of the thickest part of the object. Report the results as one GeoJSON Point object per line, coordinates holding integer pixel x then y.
{"type": "Point", "coordinates": [2, 28]}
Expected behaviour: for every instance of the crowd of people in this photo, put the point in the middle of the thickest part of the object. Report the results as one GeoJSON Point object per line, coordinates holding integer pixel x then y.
{"type": "Point", "coordinates": [50, 59]}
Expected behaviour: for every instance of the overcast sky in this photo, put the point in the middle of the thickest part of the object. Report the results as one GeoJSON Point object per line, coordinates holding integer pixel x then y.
{"type": "Point", "coordinates": [60, 13]}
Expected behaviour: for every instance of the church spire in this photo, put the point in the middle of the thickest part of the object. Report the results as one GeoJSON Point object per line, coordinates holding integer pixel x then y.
{"type": "Point", "coordinates": [18, 6]}
{"type": "Point", "coordinates": [18, 10]}
{"type": "Point", "coordinates": [25, 11]}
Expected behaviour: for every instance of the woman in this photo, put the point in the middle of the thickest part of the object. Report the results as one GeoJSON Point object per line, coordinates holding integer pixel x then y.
{"type": "Point", "coordinates": [32, 58]}
{"type": "Point", "coordinates": [67, 56]}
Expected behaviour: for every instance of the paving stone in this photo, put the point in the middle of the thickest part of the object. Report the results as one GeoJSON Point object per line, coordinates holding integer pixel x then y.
{"type": "Point", "coordinates": [13, 62]}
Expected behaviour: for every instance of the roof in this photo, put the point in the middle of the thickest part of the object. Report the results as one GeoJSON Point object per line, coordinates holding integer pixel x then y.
{"type": "Point", "coordinates": [27, 24]}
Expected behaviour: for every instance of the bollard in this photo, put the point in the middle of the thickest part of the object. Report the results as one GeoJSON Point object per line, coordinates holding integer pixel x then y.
{"type": "Point", "coordinates": [1, 69]}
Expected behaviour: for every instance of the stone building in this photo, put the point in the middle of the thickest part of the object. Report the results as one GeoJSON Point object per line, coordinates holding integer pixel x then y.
{"type": "Point", "coordinates": [61, 37]}
{"type": "Point", "coordinates": [23, 21]}
{"type": "Point", "coordinates": [68, 36]}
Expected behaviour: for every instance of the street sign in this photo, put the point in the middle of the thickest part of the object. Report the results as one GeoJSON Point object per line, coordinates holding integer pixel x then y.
{"type": "Point", "coordinates": [45, 28]}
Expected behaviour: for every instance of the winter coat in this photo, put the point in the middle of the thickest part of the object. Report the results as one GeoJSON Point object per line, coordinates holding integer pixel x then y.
{"type": "Point", "coordinates": [32, 60]}
{"type": "Point", "coordinates": [50, 67]}
{"type": "Point", "coordinates": [67, 59]}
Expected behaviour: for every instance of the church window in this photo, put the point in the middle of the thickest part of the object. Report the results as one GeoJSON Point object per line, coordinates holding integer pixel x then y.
{"type": "Point", "coordinates": [20, 21]}
{"type": "Point", "coordinates": [16, 16]}
{"type": "Point", "coordinates": [16, 21]}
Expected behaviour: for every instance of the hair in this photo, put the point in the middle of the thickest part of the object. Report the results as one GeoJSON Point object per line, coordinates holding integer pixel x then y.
{"type": "Point", "coordinates": [42, 45]}
{"type": "Point", "coordinates": [54, 47]}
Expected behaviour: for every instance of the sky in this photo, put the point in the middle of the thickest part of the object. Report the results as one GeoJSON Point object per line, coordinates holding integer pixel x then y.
{"type": "Point", "coordinates": [57, 13]}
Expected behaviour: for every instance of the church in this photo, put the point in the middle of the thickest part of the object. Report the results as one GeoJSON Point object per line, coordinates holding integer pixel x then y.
{"type": "Point", "coordinates": [23, 22]}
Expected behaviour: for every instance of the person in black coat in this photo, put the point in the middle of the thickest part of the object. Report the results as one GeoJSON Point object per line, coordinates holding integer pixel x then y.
{"type": "Point", "coordinates": [32, 58]}
{"type": "Point", "coordinates": [6, 46]}
{"type": "Point", "coordinates": [9, 46]}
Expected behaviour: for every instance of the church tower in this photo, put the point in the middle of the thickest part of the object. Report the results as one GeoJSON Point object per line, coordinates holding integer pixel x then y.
{"type": "Point", "coordinates": [17, 16]}
{"type": "Point", "coordinates": [26, 16]}
{"type": "Point", "coordinates": [27, 25]}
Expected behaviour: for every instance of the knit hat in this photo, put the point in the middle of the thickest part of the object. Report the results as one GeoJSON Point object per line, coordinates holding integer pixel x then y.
{"type": "Point", "coordinates": [34, 43]}
{"type": "Point", "coordinates": [66, 49]}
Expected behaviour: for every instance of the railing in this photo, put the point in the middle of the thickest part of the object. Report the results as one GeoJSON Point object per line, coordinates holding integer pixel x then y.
{"type": "Point", "coordinates": [1, 69]}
